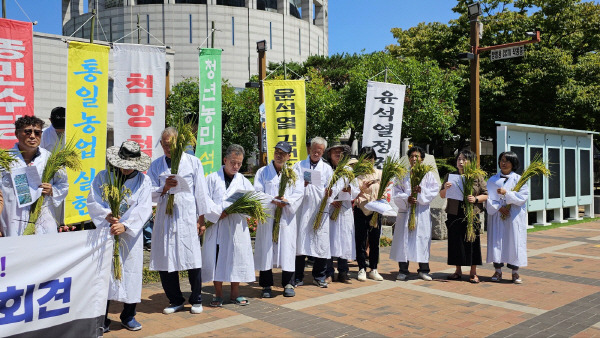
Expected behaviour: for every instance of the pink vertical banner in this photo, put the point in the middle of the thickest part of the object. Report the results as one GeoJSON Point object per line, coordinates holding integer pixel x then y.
{"type": "Point", "coordinates": [16, 76]}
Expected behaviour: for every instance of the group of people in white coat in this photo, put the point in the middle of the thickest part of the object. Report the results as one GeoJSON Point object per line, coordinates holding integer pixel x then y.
{"type": "Point", "coordinates": [226, 255]}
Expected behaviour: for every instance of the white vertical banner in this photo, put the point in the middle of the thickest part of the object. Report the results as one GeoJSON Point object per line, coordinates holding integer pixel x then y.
{"type": "Point", "coordinates": [383, 119]}
{"type": "Point", "coordinates": [54, 285]}
{"type": "Point", "coordinates": [139, 95]}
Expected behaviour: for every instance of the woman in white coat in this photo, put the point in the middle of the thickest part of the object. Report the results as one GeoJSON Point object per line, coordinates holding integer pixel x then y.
{"type": "Point", "coordinates": [507, 220]}
{"type": "Point", "coordinates": [413, 245]}
{"type": "Point", "coordinates": [267, 253]}
{"type": "Point", "coordinates": [27, 151]}
{"type": "Point", "coordinates": [310, 242]}
{"type": "Point", "coordinates": [175, 241]}
{"type": "Point", "coordinates": [227, 248]}
{"type": "Point", "coordinates": [341, 230]}
{"type": "Point", "coordinates": [126, 162]}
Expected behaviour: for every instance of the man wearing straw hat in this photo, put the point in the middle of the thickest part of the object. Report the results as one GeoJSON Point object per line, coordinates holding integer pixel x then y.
{"type": "Point", "coordinates": [175, 238]}
{"type": "Point", "coordinates": [125, 167]}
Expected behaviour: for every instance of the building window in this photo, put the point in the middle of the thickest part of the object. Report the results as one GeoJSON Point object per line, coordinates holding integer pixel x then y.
{"type": "Point", "coordinates": [198, 2]}
{"type": "Point", "coordinates": [232, 3]}
{"type": "Point", "coordinates": [150, 2]}
{"type": "Point", "coordinates": [233, 30]}
{"type": "Point", "coordinates": [148, 28]}
{"type": "Point", "coordinates": [266, 4]}
{"type": "Point", "coordinates": [295, 11]}
{"type": "Point", "coordinates": [190, 28]}
{"type": "Point", "coordinates": [270, 35]}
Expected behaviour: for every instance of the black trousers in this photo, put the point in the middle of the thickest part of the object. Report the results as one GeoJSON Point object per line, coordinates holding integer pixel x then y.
{"type": "Point", "coordinates": [342, 266]}
{"type": "Point", "coordinates": [510, 266]}
{"type": "Point", "coordinates": [365, 232]}
{"type": "Point", "coordinates": [265, 278]}
{"type": "Point", "coordinates": [127, 314]}
{"type": "Point", "coordinates": [423, 267]}
{"type": "Point", "coordinates": [170, 283]}
{"type": "Point", "coordinates": [318, 270]}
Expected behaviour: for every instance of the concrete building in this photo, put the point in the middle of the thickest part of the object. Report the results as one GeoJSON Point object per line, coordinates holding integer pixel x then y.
{"type": "Point", "coordinates": [293, 29]}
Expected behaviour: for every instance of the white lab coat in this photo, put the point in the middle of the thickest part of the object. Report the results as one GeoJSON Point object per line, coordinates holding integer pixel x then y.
{"type": "Point", "coordinates": [50, 139]}
{"type": "Point", "coordinates": [175, 241]}
{"type": "Point", "coordinates": [309, 242]}
{"type": "Point", "coordinates": [341, 231]}
{"type": "Point", "coordinates": [135, 211]}
{"type": "Point", "coordinates": [507, 239]}
{"type": "Point", "coordinates": [234, 262]}
{"type": "Point", "coordinates": [268, 254]}
{"type": "Point", "coordinates": [14, 219]}
{"type": "Point", "coordinates": [413, 245]}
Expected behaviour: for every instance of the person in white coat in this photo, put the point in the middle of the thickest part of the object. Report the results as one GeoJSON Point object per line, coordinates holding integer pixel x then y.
{"type": "Point", "coordinates": [310, 242]}
{"type": "Point", "coordinates": [175, 238]}
{"type": "Point", "coordinates": [281, 254]}
{"type": "Point", "coordinates": [14, 219]}
{"type": "Point", "coordinates": [126, 163]}
{"type": "Point", "coordinates": [413, 245]}
{"type": "Point", "coordinates": [341, 230]}
{"type": "Point", "coordinates": [507, 219]}
{"type": "Point", "coordinates": [227, 248]}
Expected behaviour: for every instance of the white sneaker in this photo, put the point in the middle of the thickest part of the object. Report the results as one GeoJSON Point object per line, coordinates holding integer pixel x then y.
{"type": "Point", "coordinates": [196, 309]}
{"type": "Point", "coordinates": [362, 275]}
{"type": "Point", "coordinates": [374, 275]}
{"type": "Point", "coordinates": [425, 276]}
{"type": "Point", "coordinates": [172, 309]}
{"type": "Point", "coordinates": [401, 276]}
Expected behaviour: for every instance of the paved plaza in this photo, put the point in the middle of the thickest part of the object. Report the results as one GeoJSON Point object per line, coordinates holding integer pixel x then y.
{"type": "Point", "coordinates": [560, 296]}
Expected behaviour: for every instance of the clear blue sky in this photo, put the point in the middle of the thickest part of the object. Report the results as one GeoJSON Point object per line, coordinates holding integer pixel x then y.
{"type": "Point", "coordinates": [354, 25]}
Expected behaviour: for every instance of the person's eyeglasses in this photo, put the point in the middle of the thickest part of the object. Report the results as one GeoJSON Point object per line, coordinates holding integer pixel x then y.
{"type": "Point", "coordinates": [28, 132]}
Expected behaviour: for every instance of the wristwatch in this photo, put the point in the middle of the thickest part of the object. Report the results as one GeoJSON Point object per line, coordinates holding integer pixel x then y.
{"type": "Point", "coordinates": [476, 199]}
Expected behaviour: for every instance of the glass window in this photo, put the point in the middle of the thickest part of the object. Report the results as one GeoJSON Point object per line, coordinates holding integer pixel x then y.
{"type": "Point", "coordinates": [150, 2]}
{"type": "Point", "coordinates": [554, 180]}
{"type": "Point", "coordinates": [233, 3]}
{"type": "Point", "coordinates": [570, 179]}
{"type": "Point", "coordinates": [536, 184]}
{"type": "Point", "coordinates": [199, 2]}
{"type": "Point", "coordinates": [266, 4]}
{"type": "Point", "coordinates": [584, 172]}
{"type": "Point", "coordinates": [520, 151]}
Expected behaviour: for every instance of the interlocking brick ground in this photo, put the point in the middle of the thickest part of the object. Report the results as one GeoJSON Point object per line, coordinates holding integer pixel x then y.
{"type": "Point", "coordinates": [560, 297]}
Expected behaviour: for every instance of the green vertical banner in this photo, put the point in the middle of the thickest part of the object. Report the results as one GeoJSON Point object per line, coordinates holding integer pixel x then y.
{"type": "Point", "coordinates": [208, 146]}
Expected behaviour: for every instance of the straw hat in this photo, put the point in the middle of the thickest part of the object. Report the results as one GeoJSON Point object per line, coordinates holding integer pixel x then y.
{"type": "Point", "coordinates": [128, 156]}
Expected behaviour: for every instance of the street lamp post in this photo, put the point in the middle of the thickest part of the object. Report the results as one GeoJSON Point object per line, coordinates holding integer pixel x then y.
{"type": "Point", "coordinates": [261, 48]}
{"type": "Point", "coordinates": [473, 56]}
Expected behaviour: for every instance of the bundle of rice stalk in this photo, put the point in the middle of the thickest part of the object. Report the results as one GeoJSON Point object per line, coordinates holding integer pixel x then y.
{"type": "Point", "coordinates": [114, 193]}
{"type": "Point", "coordinates": [362, 167]}
{"type": "Point", "coordinates": [288, 178]}
{"type": "Point", "coordinates": [392, 168]}
{"type": "Point", "coordinates": [417, 172]}
{"type": "Point", "coordinates": [470, 173]}
{"type": "Point", "coordinates": [7, 158]}
{"type": "Point", "coordinates": [67, 157]}
{"type": "Point", "coordinates": [536, 167]}
{"type": "Point", "coordinates": [248, 204]}
{"type": "Point", "coordinates": [342, 171]}
{"type": "Point", "coordinates": [179, 143]}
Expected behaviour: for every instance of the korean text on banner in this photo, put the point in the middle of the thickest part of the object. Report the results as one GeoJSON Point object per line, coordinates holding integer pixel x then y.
{"type": "Point", "coordinates": [47, 293]}
{"type": "Point", "coordinates": [383, 119]}
{"type": "Point", "coordinates": [208, 145]}
{"type": "Point", "coordinates": [87, 92]}
{"type": "Point", "coordinates": [16, 77]}
{"type": "Point", "coordinates": [139, 95]}
{"type": "Point", "coordinates": [285, 106]}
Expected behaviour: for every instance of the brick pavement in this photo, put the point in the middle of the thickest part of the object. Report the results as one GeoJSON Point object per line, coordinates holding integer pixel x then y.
{"type": "Point", "coordinates": [560, 297]}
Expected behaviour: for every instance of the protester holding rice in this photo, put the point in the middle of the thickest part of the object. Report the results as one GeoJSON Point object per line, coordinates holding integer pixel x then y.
{"type": "Point", "coordinates": [408, 194]}
{"type": "Point", "coordinates": [120, 202]}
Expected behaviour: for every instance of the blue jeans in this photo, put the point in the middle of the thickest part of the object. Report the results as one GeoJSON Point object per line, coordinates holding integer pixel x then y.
{"type": "Point", "coordinates": [147, 231]}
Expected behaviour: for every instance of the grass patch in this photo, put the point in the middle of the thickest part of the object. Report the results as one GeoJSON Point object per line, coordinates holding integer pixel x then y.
{"type": "Point", "coordinates": [559, 225]}
{"type": "Point", "coordinates": [149, 276]}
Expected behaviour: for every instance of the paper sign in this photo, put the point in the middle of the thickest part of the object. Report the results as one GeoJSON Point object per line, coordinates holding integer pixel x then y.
{"type": "Point", "coordinates": [26, 182]}
{"type": "Point", "coordinates": [380, 206]}
{"type": "Point", "coordinates": [313, 177]}
{"type": "Point", "coordinates": [236, 195]}
{"type": "Point", "coordinates": [343, 196]}
{"type": "Point", "coordinates": [181, 186]}
{"type": "Point", "coordinates": [455, 192]}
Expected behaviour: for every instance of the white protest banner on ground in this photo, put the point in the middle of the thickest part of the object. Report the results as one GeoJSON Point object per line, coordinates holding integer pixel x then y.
{"type": "Point", "coordinates": [139, 95]}
{"type": "Point", "coordinates": [54, 285]}
{"type": "Point", "coordinates": [383, 119]}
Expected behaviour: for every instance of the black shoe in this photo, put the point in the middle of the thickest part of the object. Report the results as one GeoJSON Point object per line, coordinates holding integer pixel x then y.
{"type": "Point", "coordinates": [320, 283]}
{"type": "Point", "coordinates": [266, 293]}
{"type": "Point", "coordinates": [343, 278]}
{"type": "Point", "coordinates": [106, 326]}
{"type": "Point", "coordinates": [298, 282]}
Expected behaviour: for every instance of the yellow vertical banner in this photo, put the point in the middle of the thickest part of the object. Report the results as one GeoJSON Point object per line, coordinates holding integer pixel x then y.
{"type": "Point", "coordinates": [87, 97]}
{"type": "Point", "coordinates": [285, 108]}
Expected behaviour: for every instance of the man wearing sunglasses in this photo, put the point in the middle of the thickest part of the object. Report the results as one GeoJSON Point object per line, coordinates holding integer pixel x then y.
{"type": "Point", "coordinates": [27, 151]}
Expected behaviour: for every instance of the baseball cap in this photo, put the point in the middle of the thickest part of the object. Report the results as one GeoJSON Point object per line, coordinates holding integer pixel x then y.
{"type": "Point", "coordinates": [283, 145]}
